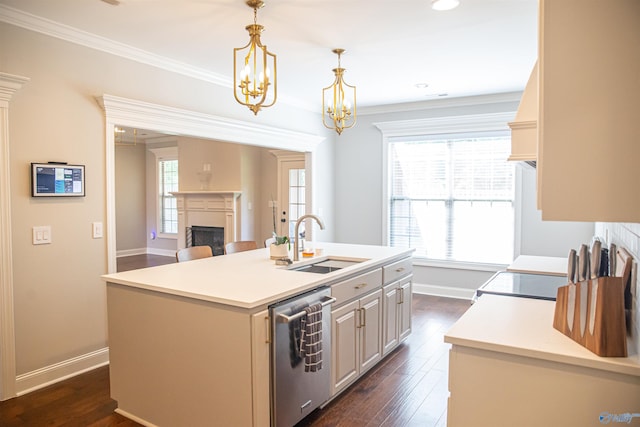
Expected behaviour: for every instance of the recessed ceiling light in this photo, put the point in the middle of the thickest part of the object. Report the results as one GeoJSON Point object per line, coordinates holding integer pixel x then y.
{"type": "Point", "coordinates": [444, 4]}
{"type": "Point", "coordinates": [421, 85]}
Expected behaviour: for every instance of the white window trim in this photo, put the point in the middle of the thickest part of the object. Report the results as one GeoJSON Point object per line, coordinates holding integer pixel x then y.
{"type": "Point", "coordinates": [163, 153]}
{"type": "Point", "coordinates": [438, 126]}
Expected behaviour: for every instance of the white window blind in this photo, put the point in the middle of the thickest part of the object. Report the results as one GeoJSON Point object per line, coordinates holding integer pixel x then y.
{"type": "Point", "coordinates": [452, 197]}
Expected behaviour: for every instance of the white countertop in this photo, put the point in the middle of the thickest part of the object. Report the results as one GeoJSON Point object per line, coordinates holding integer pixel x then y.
{"type": "Point", "coordinates": [524, 327]}
{"type": "Point", "coordinates": [556, 266]}
{"type": "Point", "coordinates": [250, 279]}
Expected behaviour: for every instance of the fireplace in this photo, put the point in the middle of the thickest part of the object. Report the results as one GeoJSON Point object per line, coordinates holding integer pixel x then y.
{"type": "Point", "coordinates": [208, 209]}
{"type": "Point", "coordinates": [213, 237]}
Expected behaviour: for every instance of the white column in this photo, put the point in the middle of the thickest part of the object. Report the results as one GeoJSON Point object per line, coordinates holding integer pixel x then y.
{"type": "Point", "coordinates": [9, 84]}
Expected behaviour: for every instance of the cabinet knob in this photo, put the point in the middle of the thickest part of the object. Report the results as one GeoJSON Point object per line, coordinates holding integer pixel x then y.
{"type": "Point", "coordinates": [399, 269]}
{"type": "Point", "coordinates": [360, 286]}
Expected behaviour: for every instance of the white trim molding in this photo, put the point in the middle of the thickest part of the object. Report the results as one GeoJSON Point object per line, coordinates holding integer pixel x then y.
{"type": "Point", "coordinates": [443, 291]}
{"type": "Point", "coordinates": [451, 124]}
{"type": "Point", "coordinates": [176, 121]}
{"type": "Point", "coordinates": [67, 33]}
{"type": "Point", "coordinates": [52, 374]}
{"type": "Point", "coordinates": [9, 84]}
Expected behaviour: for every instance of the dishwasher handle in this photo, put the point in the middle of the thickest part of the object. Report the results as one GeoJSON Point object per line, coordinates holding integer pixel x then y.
{"type": "Point", "coordinates": [324, 302]}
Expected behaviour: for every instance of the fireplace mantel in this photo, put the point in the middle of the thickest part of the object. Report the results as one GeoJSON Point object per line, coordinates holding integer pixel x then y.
{"type": "Point", "coordinates": [209, 209]}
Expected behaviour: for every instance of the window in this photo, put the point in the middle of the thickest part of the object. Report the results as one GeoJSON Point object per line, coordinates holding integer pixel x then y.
{"type": "Point", "coordinates": [297, 205]}
{"type": "Point", "coordinates": [451, 196]}
{"type": "Point", "coordinates": [167, 173]}
{"type": "Point", "coordinates": [168, 179]}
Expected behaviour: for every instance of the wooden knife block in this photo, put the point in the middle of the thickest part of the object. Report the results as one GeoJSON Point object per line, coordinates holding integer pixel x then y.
{"type": "Point", "coordinates": [609, 337]}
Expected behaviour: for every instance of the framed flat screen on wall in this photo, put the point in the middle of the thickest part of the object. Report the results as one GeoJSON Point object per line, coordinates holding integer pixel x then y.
{"type": "Point", "coordinates": [57, 180]}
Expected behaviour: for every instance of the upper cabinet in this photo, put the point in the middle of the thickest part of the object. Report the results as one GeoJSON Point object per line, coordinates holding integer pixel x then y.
{"type": "Point", "coordinates": [589, 110]}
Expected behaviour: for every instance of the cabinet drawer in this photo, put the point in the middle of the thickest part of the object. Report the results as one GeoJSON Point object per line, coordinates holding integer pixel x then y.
{"type": "Point", "coordinates": [397, 270]}
{"type": "Point", "coordinates": [359, 285]}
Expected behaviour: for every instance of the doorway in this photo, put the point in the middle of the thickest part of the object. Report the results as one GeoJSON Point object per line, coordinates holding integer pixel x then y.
{"type": "Point", "coordinates": [162, 119]}
{"type": "Point", "coordinates": [292, 193]}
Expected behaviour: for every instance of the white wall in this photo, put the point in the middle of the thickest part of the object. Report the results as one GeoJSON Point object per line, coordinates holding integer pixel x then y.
{"type": "Point", "coordinates": [627, 236]}
{"type": "Point", "coordinates": [59, 298]}
{"type": "Point", "coordinates": [547, 238]}
{"type": "Point", "coordinates": [130, 197]}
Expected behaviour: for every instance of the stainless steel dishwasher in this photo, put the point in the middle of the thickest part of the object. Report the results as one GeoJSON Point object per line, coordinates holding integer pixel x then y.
{"type": "Point", "coordinates": [295, 392]}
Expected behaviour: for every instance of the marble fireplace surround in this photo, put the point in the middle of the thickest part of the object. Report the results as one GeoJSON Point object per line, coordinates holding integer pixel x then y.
{"type": "Point", "coordinates": [208, 209]}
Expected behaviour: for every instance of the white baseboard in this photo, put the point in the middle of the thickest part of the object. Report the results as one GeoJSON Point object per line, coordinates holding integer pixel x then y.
{"type": "Point", "coordinates": [144, 251]}
{"type": "Point", "coordinates": [130, 252]}
{"type": "Point", "coordinates": [163, 252]}
{"type": "Point", "coordinates": [52, 374]}
{"type": "Point", "coordinates": [443, 291]}
{"type": "Point", "coordinates": [133, 418]}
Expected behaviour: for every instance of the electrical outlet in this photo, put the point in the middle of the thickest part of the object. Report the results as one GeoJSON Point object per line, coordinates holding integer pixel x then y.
{"type": "Point", "coordinates": [97, 230]}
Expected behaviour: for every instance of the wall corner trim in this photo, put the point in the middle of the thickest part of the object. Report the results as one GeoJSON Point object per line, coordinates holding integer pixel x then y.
{"type": "Point", "coordinates": [9, 84]}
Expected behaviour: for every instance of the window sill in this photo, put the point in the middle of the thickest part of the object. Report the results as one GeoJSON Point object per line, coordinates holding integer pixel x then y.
{"type": "Point", "coordinates": [458, 265]}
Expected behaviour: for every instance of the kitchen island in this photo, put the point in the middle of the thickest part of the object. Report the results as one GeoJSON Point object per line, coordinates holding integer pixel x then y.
{"type": "Point", "coordinates": [508, 366]}
{"type": "Point", "coordinates": [189, 342]}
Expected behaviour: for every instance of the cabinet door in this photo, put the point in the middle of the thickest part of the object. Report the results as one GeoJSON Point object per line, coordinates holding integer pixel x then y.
{"type": "Point", "coordinates": [370, 330]}
{"type": "Point", "coordinates": [404, 312]}
{"type": "Point", "coordinates": [390, 318]}
{"type": "Point", "coordinates": [260, 342]}
{"type": "Point", "coordinates": [586, 125]}
{"type": "Point", "coordinates": [345, 345]}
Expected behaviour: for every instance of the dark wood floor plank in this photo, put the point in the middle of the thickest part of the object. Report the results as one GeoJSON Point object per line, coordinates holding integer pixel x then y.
{"type": "Point", "coordinates": [408, 388]}
{"type": "Point", "coordinates": [134, 262]}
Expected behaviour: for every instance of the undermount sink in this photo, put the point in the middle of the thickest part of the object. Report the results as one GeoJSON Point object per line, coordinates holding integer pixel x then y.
{"type": "Point", "coordinates": [326, 265]}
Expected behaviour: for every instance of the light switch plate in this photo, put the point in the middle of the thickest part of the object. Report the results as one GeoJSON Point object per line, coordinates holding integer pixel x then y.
{"type": "Point", "coordinates": [97, 230]}
{"type": "Point", "coordinates": [41, 235]}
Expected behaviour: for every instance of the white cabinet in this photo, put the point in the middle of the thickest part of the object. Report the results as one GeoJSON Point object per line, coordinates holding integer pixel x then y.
{"type": "Point", "coordinates": [588, 150]}
{"type": "Point", "coordinates": [396, 318]}
{"type": "Point", "coordinates": [368, 321]}
{"type": "Point", "coordinates": [356, 339]}
{"type": "Point", "coordinates": [508, 366]}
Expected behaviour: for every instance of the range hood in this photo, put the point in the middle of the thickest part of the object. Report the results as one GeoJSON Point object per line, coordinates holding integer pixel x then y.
{"type": "Point", "coordinates": [524, 129]}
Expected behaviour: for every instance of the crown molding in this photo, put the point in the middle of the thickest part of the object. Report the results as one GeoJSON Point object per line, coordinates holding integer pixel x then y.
{"type": "Point", "coordinates": [463, 101]}
{"type": "Point", "coordinates": [176, 121]}
{"type": "Point", "coordinates": [70, 34]}
{"type": "Point", "coordinates": [51, 28]}
{"type": "Point", "coordinates": [442, 125]}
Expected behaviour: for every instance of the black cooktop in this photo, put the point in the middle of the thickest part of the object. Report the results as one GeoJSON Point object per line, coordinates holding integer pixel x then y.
{"type": "Point", "coordinates": [524, 285]}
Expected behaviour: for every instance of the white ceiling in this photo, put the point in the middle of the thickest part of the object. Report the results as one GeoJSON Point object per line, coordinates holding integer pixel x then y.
{"type": "Point", "coordinates": [481, 47]}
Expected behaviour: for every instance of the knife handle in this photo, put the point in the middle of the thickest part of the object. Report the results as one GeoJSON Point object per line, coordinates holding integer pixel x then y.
{"type": "Point", "coordinates": [583, 263]}
{"type": "Point", "coordinates": [571, 266]}
{"type": "Point", "coordinates": [613, 254]}
{"type": "Point", "coordinates": [595, 259]}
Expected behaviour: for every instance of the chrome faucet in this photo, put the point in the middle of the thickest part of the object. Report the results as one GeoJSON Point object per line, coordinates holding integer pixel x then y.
{"type": "Point", "coordinates": [296, 256]}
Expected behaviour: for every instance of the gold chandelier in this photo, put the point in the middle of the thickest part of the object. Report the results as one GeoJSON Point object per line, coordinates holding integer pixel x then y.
{"type": "Point", "coordinates": [338, 112]}
{"type": "Point", "coordinates": [252, 65]}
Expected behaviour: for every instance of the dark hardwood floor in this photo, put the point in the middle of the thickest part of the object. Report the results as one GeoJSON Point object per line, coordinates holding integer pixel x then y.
{"type": "Point", "coordinates": [408, 388]}
{"type": "Point", "coordinates": [134, 262]}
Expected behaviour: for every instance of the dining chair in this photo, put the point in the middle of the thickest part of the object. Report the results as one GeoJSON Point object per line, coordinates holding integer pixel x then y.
{"type": "Point", "coordinates": [240, 246]}
{"type": "Point", "coordinates": [193, 252]}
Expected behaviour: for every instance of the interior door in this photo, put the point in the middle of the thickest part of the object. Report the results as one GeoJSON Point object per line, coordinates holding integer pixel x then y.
{"type": "Point", "coordinates": [292, 195]}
